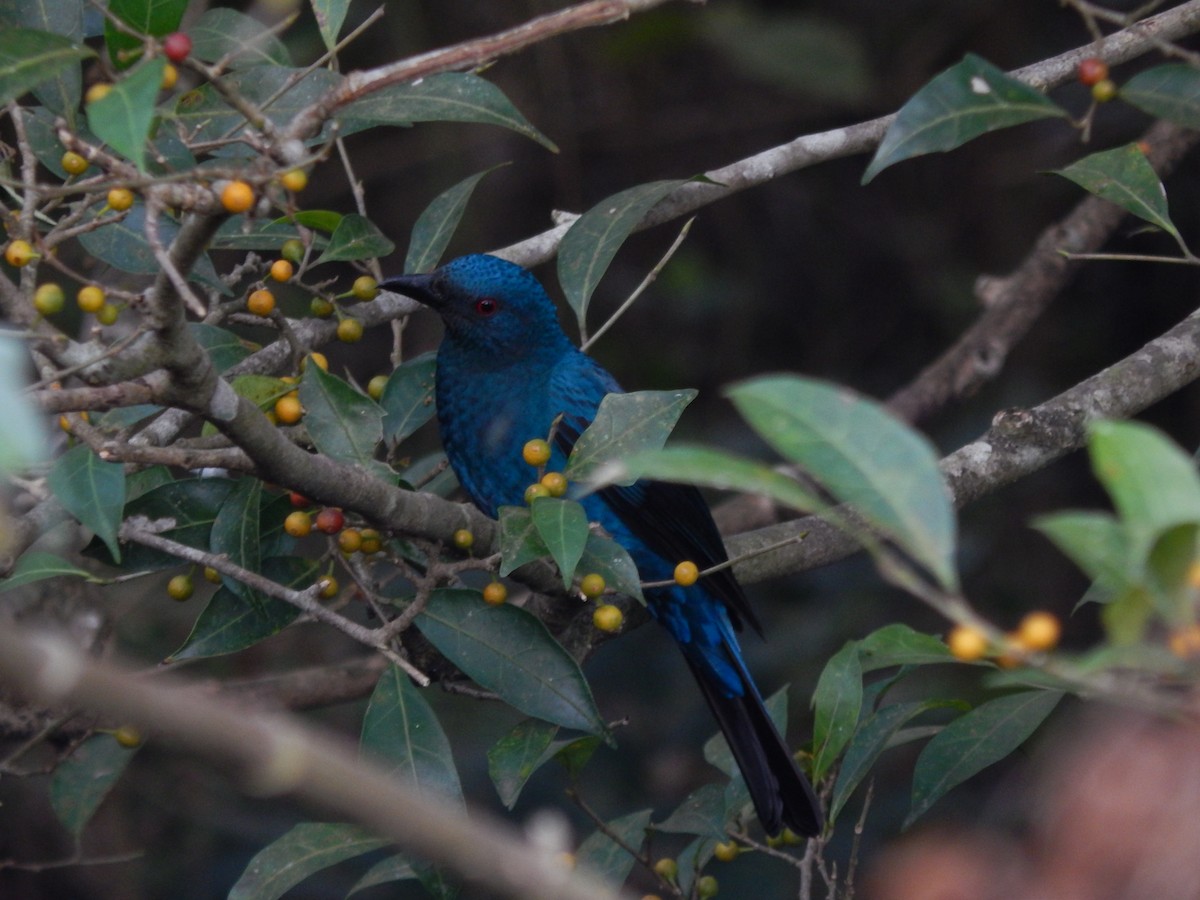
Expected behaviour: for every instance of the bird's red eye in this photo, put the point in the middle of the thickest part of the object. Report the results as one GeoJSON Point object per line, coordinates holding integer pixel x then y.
{"type": "Point", "coordinates": [486, 306]}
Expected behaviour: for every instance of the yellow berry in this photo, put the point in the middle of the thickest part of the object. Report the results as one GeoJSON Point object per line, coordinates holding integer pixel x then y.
{"type": "Point", "coordinates": [495, 593]}
{"type": "Point", "coordinates": [536, 452]}
{"type": "Point", "coordinates": [281, 270]}
{"type": "Point", "coordinates": [318, 358]}
{"type": "Point", "coordinates": [666, 868]}
{"type": "Point", "coordinates": [97, 91]}
{"type": "Point", "coordinates": [18, 253]}
{"type": "Point", "coordinates": [120, 199]}
{"type": "Point", "coordinates": [727, 852]}
{"type": "Point", "coordinates": [555, 483]}
{"type": "Point", "coordinates": [1104, 90]}
{"type": "Point", "coordinates": [349, 540]}
{"type": "Point", "coordinates": [288, 410]}
{"type": "Point", "coordinates": [328, 587]}
{"type": "Point", "coordinates": [1193, 575]}
{"type": "Point", "coordinates": [686, 573]}
{"type": "Point", "coordinates": [260, 302]}
{"type": "Point", "coordinates": [292, 250]}
{"type": "Point", "coordinates": [1039, 631]}
{"type": "Point", "coordinates": [180, 587]}
{"type": "Point", "coordinates": [237, 197]}
{"type": "Point", "coordinates": [790, 837]}
{"type": "Point", "coordinates": [349, 330]}
{"type": "Point", "coordinates": [372, 541]}
{"type": "Point", "coordinates": [592, 585]}
{"type": "Point", "coordinates": [365, 288]}
{"type": "Point", "coordinates": [966, 643]}
{"type": "Point", "coordinates": [535, 492]}
{"type": "Point", "coordinates": [90, 298]}
{"type": "Point", "coordinates": [169, 77]}
{"type": "Point", "coordinates": [320, 307]}
{"type": "Point", "coordinates": [73, 163]}
{"type": "Point", "coordinates": [608, 618]}
{"type": "Point", "coordinates": [376, 386]}
{"type": "Point", "coordinates": [295, 180]}
{"type": "Point", "coordinates": [706, 887]}
{"type": "Point", "coordinates": [127, 736]}
{"type": "Point", "coordinates": [1185, 642]}
{"type": "Point", "coordinates": [48, 298]}
{"type": "Point", "coordinates": [211, 574]}
{"type": "Point", "coordinates": [108, 313]}
{"type": "Point", "coordinates": [463, 539]}
{"type": "Point", "coordinates": [298, 523]}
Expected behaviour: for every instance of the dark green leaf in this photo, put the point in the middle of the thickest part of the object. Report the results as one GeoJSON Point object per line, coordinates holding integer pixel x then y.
{"type": "Point", "coordinates": [573, 755]}
{"type": "Point", "coordinates": [1168, 92]}
{"type": "Point", "coordinates": [61, 92]}
{"type": "Point", "coordinates": [235, 533]}
{"type": "Point", "coordinates": [226, 34]}
{"type": "Point", "coordinates": [863, 456]}
{"type": "Point", "coordinates": [692, 860]}
{"type": "Point", "coordinates": [613, 563]}
{"type": "Point", "coordinates": [394, 868]}
{"type": "Point", "coordinates": [326, 220]}
{"type": "Point", "coordinates": [450, 97]}
{"type": "Point", "coordinates": [36, 566]}
{"type": "Point", "coordinates": [407, 399]}
{"type": "Point", "coordinates": [192, 503]}
{"type": "Point", "coordinates": [305, 850]}
{"type": "Point", "coordinates": [625, 425]}
{"type": "Point", "coordinates": [606, 857]}
{"type": "Point", "coordinates": [229, 623]}
{"type": "Point", "coordinates": [1125, 177]}
{"type": "Point", "coordinates": [836, 704]}
{"type": "Point", "coordinates": [703, 813]}
{"type": "Point", "coordinates": [975, 741]}
{"type": "Point", "coordinates": [519, 539]}
{"type": "Point", "coordinates": [330, 14]}
{"type": "Point", "coordinates": [435, 226]}
{"type": "Point", "coordinates": [900, 645]}
{"type": "Point", "coordinates": [509, 651]}
{"type": "Point", "coordinates": [31, 58]}
{"type": "Point", "coordinates": [84, 779]}
{"type": "Point", "coordinates": [123, 245]}
{"type": "Point", "coordinates": [23, 438]}
{"type": "Point", "coordinates": [401, 731]}
{"type": "Point", "coordinates": [151, 17]}
{"type": "Point", "coordinates": [517, 755]}
{"type": "Point", "coordinates": [91, 490]}
{"type": "Point", "coordinates": [970, 98]}
{"type": "Point", "coordinates": [239, 234]}
{"type": "Point", "coordinates": [343, 423]}
{"type": "Point", "coordinates": [594, 238]}
{"type": "Point", "coordinates": [122, 117]}
{"type": "Point", "coordinates": [563, 527]}
{"type": "Point", "coordinates": [355, 237]}
{"type": "Point", "coordinates": [1094, 541]}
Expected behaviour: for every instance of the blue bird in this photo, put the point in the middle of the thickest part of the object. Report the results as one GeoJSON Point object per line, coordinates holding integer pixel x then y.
{"type": "Point", "coordinates": [505, 371]}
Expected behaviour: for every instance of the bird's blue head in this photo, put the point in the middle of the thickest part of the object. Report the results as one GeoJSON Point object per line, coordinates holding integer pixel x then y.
{"type": "Point", "coordinates": [491, 307]}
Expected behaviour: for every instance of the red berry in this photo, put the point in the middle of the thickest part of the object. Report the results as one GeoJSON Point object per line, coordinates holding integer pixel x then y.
{"type": "Point", "coordinates": [299, 501]}
{"type": "Point", "coordinates": [1092, 70]}
{"type": "Point", "coordinates": [330, 520]}
{"type": "Point", "coordinates": [177, 46]}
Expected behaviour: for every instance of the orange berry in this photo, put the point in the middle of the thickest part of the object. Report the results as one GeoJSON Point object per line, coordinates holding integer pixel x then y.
{"type": "Point", "coordinates": [555, 483]}
{"type": "Point", "coordinates": [350, 541]}
{"type": "Point", "coordinates": [608, 618]}
{"type": "Point", "coordinates": [288, 410]}
{"type": "Point", "coordinates": [73, 163]}
{"type": "Point", "coordinates": [19, 253]}
{"type": "Point", "coordinates": [282, 270]}
{"type": "Point", "coordinates": [318, 358]}
{"type": "Point", "coordinates": [372, 541]}
{"type": "Point", "coordinates": [90, 298]}
{"type": "Point", "coordinates": [1039, 631]}
{"type": "Point", "coordinates": [120, 199]}
{"type": "Point", "coordinates": [495, 593]}
{"type": "Point", "coordinates": [237, 197]}
{"type": "Point", "coordinates": [260, 302]}
{"type": "Point", "coordinates": [298, 524]}
{"type": "Point", "coordinates": [536, 452]}
{"type": "Point", "coordinates": [1185, 642]}
{"type": "Point", "coordinates": [966, 643]}
{"type": "Point", "coordinates": [686, 573]}
{"type": "Point", "coordinates": [295, 180]}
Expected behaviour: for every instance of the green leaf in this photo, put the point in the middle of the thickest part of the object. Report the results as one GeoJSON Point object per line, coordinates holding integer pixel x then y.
{"type": "Point", "coordinates": [520, 542]}
{"type": "Point", "coordinates": [1125, 177]}
{"type": "Point", "coordinates": [594, 238]}
{"type": "Point", "coordinates": [226, 34]}
{"type": "Point", "coordinates": [436, 224]}
{"type": "Point", "coordinates": [407, 398]}
{"type": "Point", "coordinates": [23, 438]}
{"type": "Point", "coordinates": [563, 527]}
{"type": "Point", "coordinates": [509, 651]}
{"type": "Point", "coordinates": [863, 456]}
{"type": "Point", "coordinates": [326, 220]}
{"type": "Point", "coordinates": [611, 561]}
{"type": "Point", "coordinates": [261, 390]}
{"type": "Point", "coordinates": [305, 850]}
{"type": "Point", "coordinates": [874, 735]}
{"type": "Point", "coordinates": [450, 97]}
{"type": "Point", "coordinates": [151, 17]}
{"type": "Point", "coordinates": [603, 855]}
{"type": "Point", "coordinates": [235, 534]}
{"type": "Point", "coordinates": [514, 758]}
{"type": "Point", "coordinates": [83, 780]}
{"type": "Point", "coordinates": [229, 623]}
{"type": "Point", "coordinates": [836, 705]}
{"type": "Point", "coordinates": [394, 868]}
{"type": "Point", "coordinates": [91, 490]}
{"type": "Point", "coordinates": [970, 98]}
{"type": "Point", "coordinates": [123, 245]}
{"type": "Point", "coordinates": [900, 645]}
{"type": "Point", "coordinates": [37, 566]}
{"type": "Point", "coordinates": [1094, 541]}
{"type": "Point", "coordinates": [1169, 92]}
{"type": "Point", "coordinates": [1152, 482]}
{"type": "Point", "coordinates": [343, 423]}
{"type": "Point", "coordinates": [704, 812]}
{"type": "Point", "coordinates": [355, 237]}
{"type": "Point", "coordinates": [330, 14]}
{"type": "Point", "coordinates": [122, 117]}
{"type": "Point", "coordinates": [31, 58]}
{"type": "Point", "coordinates": [60, 94]}
{"type": "Point", "coordinates": [401, 731]}
{"type": "Point", "coordinates": [975, 741]}
{"type": "Point", "coordinates": [625, 425]}
{"type": "Point", "coordinates": [192, 503]}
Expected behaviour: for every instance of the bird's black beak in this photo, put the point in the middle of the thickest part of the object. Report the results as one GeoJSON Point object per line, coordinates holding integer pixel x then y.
{"type": "Point", "coordinates": [421, 288]}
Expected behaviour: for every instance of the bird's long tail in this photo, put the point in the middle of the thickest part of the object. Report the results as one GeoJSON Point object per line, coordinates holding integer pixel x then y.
{"type": "Point", "coordinates": [781, 794]}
